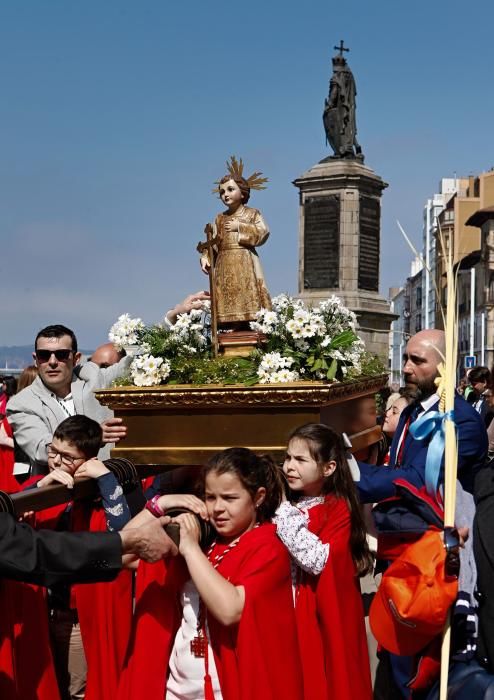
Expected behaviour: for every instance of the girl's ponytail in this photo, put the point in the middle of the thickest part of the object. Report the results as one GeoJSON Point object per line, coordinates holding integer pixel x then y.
{"type": "Point", "coordinates": [274, 485]}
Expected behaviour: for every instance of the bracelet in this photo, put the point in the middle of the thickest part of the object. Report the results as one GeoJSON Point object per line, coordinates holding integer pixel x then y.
{"type": "Point", "coordinates": [154, 507]}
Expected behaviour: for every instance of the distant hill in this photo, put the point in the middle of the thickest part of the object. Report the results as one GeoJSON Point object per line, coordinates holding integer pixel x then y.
{"type": "Point", "coordinates": [20, 356]}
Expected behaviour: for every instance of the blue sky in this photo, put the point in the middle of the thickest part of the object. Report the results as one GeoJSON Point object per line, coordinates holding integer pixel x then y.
{"type": "Point", "coordinates": [116, 117]}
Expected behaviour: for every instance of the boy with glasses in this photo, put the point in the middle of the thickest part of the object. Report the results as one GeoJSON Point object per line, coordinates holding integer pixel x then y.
{"type": "Point", "coordinates": [82, 610]}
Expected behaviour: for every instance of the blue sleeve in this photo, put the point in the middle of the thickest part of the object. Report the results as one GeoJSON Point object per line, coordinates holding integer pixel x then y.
{"type": "Point", "coordinates": [114, 504]}
{"type": "Point", "coordinates": [376, 482]}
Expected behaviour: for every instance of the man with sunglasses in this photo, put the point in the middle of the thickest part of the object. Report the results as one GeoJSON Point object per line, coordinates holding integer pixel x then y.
{"type": "Point", "coordinates": [63, 388]}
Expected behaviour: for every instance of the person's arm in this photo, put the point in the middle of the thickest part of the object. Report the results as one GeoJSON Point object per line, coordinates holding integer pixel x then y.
{"type": "Point", "coordinates": [305, 547]}
{"type": "Point", "coordinates": [254, 234]}
{"type": "Point", "coordinates": [102, 377]}
{"type": "Point", "coordinates": [117, 511]}
{"type": "Point", "coordinates": [375, 483]}
{"type": "Point", "coordinates": [193, 301]}
{"type": "Point", "coordinates": [490, 436]}
{"type": "Point", "coordinates": [47, 557]}
{"type": "Point", "coordinates": [31, 433]}
{"type": "Point", "coordinates": [224, 600]}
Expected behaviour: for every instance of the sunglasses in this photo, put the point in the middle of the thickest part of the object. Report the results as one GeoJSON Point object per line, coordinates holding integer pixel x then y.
{"type": "Point", "coordinates": [45, 355]}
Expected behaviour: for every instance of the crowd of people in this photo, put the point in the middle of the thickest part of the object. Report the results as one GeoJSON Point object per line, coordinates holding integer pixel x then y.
{"type": "Point", "coordinates": [265, 593]}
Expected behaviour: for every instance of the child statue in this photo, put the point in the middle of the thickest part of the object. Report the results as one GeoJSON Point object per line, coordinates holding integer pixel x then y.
{"type": "Point", "coordinates": [237, 281]}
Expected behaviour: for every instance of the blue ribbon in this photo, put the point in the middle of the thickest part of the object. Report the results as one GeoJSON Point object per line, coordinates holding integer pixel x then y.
{"type": "Point", "coordinates": [431, 424]}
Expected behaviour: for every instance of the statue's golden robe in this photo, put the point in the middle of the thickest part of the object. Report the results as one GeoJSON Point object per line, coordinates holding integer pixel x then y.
{"type": "Point", "coordinates": [238, 277]}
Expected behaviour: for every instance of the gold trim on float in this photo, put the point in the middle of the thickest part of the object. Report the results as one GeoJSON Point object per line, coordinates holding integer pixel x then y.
{"type": "Point", "coordinates": [191, 396]}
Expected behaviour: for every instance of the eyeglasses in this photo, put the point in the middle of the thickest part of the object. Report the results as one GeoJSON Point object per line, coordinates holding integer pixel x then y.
{"type": "Point", "coordinates": [61, 355]}
{"type": "Point", "coordinates": [65, 458]}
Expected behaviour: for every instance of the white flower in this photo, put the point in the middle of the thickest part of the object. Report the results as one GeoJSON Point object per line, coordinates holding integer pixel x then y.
{"type": "Point", "coordinates": [255, 326]}
{"type": "Point", "coordinates": [325, 341]}
{"type": "Point", "coordinates": [280, 302]}
{"type": "Point", "coordinates": [147, 370]}
{"type": "Point", "coordinates": [283, 376]}
{"type": "Point", "coordinates": [301, 315]}
{"type": "Point", "coordinates": [295, 328]}
{"type": "Point", "coordinates": [125, 331]}
{"type": "Point", "coordinates": [308, 331]}
{"type": "Point", "coordinates": [271, 360]}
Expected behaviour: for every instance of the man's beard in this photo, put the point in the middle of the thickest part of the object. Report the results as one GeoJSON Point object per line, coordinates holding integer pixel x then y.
{"type": "Point", "coordinates": [421, 391]}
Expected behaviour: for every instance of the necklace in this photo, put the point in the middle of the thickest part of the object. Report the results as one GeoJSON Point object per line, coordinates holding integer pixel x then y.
{"type": "Point", "coordinates": [199, 645]}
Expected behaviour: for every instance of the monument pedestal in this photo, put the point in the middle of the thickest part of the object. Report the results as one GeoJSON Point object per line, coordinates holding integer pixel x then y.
{"type": "Point", "coordinates": [339, 243]}
{"type": "Point", "coordinates": [184, 425]}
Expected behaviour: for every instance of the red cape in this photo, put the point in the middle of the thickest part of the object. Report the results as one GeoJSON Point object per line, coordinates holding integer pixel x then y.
{"type": "Point", "coordinates": [8, 482]}
{"type": "Point", "coordinates": [257, 659]}
{"type": "Point", "coordinates": [105, 616]}
{"type": "Point", "coordinates": [330, 616]}
{"type": "Point", "coordinates": [26, 664]}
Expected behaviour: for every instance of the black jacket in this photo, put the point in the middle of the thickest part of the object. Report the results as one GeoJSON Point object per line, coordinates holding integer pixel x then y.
{"type": "Point", "coordinates": [47, 557]}
{"type": "Point", "coordinates": [483, 543]}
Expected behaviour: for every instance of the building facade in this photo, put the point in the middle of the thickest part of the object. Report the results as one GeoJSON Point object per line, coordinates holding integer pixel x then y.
{"type": "Point", "coordinates": [432, 209]}
{"type": "Point", "coordinates": [467, 226]}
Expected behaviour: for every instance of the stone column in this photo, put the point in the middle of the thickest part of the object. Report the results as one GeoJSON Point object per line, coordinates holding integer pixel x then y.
{"type": "Point", "coordinates": [339, 243]}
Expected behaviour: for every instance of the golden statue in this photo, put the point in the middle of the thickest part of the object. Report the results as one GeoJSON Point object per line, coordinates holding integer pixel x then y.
{"type": "Point", "coordinates": [238, 288]}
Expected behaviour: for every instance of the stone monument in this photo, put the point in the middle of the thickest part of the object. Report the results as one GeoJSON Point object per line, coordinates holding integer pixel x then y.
{"type": "Point", "coordinates": [340, 219]}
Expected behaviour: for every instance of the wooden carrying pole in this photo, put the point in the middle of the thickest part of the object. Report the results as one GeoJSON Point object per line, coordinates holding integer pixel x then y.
{"type": "Point", "coordinates": [450, 450]}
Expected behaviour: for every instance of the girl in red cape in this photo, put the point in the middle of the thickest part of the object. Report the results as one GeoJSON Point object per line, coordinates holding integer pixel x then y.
{"type": "Point", "coordinates": [324, 532]}
{"type": "Point", "coordinates": [220, 624]}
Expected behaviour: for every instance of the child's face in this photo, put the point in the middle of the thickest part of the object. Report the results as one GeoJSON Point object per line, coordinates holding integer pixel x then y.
{"type": "Point", "coordinates": [392, 416]}
{"type": "Point", "coordinates": [302, 471]}
{"type": "Point", "coordinates": [231, 194]}
{"type": "Point", "coordinates": [65, 456]}
{"type": "Point", "coordinates": [231, 508]}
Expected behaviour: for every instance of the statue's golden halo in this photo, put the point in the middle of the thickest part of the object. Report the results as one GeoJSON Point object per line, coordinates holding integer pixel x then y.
{"type": "Point", "coordinates": [235, 168]}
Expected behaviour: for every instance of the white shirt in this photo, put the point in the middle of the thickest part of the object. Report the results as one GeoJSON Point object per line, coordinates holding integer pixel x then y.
{"type": "Point", "coordinates": [426, 404]}
{"type": "Point", "coordinates": [67, 404]}
{"type": "Point", "coordinates": [186, 677]}
{"type": "Point", "coordinates": [292, 527]}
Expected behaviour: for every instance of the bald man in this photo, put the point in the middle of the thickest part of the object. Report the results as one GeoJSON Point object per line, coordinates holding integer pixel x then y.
{"type": "Point", "coordinates": [106, 355]}
{"type": "Point", "coordinates": [424, 352]}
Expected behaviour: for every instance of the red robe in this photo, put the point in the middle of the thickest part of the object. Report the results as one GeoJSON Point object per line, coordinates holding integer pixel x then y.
{"type": "Point", "coordinates": [105, 616]}
{"type": "Point", "coordinates": [330, 616]}
{"type": "Point", "coordinates": [8, 482]}
{"type": "Point", "coordinates": [26, 664]}
{"type": "Point", "coordinates": [256, 659]}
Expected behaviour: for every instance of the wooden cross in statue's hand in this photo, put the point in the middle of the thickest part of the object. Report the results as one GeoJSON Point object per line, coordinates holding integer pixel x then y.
{"type": "Point", "coordinates": [207, 246]}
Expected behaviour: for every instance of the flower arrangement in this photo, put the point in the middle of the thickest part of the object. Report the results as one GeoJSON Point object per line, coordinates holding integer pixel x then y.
{"type": "Point", "coordinates": [301, 343]}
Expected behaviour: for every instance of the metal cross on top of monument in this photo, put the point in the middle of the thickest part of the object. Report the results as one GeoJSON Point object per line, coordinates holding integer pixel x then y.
{"type": "Point", "coordinates": [340, 217]}
{"type": "Point", "coordinates": [341, 47]}
{"type": "Point", "coordinates": [339, 110]}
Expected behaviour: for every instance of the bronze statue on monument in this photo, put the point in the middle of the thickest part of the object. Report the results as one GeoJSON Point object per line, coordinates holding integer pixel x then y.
{"type": "Point", "coordinates": [339, 110]}
{"type": "Point", "coordinates": [229, 257]}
